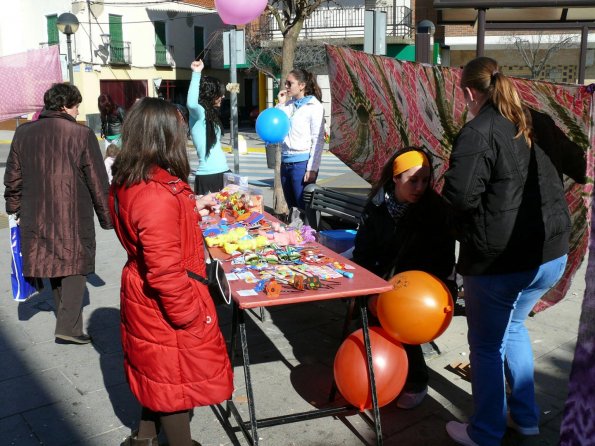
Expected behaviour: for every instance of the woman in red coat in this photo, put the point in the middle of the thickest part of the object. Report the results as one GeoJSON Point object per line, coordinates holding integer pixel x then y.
{"type": "Point", "coordinates": [175, 357]}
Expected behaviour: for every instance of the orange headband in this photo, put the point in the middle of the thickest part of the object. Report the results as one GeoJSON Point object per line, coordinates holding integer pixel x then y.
{"type": "Point", "coordinates": [407, 160]}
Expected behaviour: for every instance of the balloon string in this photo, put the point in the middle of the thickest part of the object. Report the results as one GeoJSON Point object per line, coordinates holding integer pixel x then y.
{"type": "Point", "coordinates": [207, 46]}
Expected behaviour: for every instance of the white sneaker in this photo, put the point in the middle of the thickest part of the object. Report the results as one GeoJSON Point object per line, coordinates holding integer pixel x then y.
{"type": "Point", "coordinates": [458, 432]}
{"type": "Point", "coordinates": [409, 400]}
{"type": "Point", "coordinates": [520, 429]}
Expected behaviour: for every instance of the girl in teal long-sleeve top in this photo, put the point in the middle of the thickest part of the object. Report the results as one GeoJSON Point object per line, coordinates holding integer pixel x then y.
{"type": "Point", "coordinates": [203, 102]}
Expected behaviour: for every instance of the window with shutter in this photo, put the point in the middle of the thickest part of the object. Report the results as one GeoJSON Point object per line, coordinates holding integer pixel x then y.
{"type": "Point", "coordinates": [53, 36]}
{"type": "Point", "coordinates": [117, 40]}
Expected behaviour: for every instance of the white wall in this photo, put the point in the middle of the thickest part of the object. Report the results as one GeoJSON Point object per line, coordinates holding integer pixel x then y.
{"type": "Point", "coordinates": [23, 27]}
{"type": "Point", "coordinates": [23, 23]}
{"type": "Point", "coordinates": [138, 29]}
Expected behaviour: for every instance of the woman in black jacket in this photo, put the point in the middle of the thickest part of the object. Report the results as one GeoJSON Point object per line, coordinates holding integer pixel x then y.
{"type": "Point", "coordinates": [504, 180]}
{"type": "Point", "coordinates": [405, 227]}
{"type": "Point", "coordinates": [112, 118]}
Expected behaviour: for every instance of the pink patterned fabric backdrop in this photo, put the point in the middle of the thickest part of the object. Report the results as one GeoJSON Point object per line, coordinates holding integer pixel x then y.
{"type": "Point", "coordinates": [381, 104]}
{"type": "Point", "coordinates": [24, 78]}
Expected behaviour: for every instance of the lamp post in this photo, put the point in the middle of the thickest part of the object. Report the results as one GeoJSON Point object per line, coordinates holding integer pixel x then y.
{"type": "Point", "coordinates": [424, 41]}
{"type": "Point", "coordinates": [106, 40]}
{"type": "Point", "coordinates": [68, 24]}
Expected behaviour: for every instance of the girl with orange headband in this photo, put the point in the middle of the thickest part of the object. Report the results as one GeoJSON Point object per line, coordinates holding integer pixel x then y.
{"type": "Point", "coordinates": [405, 227]}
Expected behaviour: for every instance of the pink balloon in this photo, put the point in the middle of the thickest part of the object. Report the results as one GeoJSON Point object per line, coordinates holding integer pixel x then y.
{"type": "Point", "coordinates": [239, 12]}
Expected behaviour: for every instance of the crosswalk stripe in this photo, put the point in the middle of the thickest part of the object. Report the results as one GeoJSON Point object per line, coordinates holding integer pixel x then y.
{"type": "Point", "coordinates": [254, 166]}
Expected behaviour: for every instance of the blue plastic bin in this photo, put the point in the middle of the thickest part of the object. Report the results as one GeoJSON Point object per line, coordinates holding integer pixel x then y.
{"type": "Point", "coordinates": [339, 240]}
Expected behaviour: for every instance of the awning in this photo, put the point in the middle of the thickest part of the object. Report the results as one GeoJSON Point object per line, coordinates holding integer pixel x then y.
{"type": "Point", "coordinates": [452, 12]}
{"type": "Point", "coordinates": [175, 7]}
{"type": "Point", "coordinates": [502, 15]}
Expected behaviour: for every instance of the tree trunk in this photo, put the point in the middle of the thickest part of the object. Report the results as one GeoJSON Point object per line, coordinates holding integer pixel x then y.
{"type": "Point", "coordinates": [289, 44]}
{"type": "Point", "coordinates": [279, 203]}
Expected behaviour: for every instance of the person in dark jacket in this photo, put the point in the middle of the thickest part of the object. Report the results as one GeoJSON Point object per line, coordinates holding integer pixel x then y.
{"type": "Point", "coordinates": [112, 118]}
{"type": "Point", "coordinates": [503, 181]}
{"type": "Point", "coordinates": [175, 357]}
{"type": "Point", "coordinates": [55, 178]}
{"type": "Point", "coordinates": [405, 226]}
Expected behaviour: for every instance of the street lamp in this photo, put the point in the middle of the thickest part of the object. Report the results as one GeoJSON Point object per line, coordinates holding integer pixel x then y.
{"type": "Point", "coordinates": [424, 41]}
{"type": "Point", "coordinates": [68, 24]}
{"type": "Point", "coordinates": [106, 40]}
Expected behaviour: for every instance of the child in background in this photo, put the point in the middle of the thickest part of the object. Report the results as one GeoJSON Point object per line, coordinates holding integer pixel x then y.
{"type": "Point", "coordinates": [110, 156]}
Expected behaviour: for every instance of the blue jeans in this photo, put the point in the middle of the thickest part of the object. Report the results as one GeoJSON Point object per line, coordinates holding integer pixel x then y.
{"type": "Point", "coordinates": [496, 307]}
{"type": "Point", "coordinates": [292, 182]}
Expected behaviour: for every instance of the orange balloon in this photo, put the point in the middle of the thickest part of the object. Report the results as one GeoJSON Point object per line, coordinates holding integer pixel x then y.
{"type": "Point", "coordinates": [389, 361]}
{"type": "Point", "coordinates": [417, 310]}
{"type": "Point", "coordinates": [373, 304]}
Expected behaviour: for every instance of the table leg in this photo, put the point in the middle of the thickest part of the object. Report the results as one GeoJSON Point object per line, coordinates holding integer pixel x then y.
{"type": "Point", "coordinates": [234, 333]}
{"type": "Point", "coordinates": [366, 333]}
{"type": "Point", "coordinates": [232, 346]}
{"type": "Point", "coordinates": [248, 378]}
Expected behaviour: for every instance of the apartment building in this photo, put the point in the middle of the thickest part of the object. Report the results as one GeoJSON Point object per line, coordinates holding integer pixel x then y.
{"type": "Point", "coordinates": [126, 48]}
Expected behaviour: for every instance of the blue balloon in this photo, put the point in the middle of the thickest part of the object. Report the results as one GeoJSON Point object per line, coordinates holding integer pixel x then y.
{"type": "Point", "coordinates": [272, 125]}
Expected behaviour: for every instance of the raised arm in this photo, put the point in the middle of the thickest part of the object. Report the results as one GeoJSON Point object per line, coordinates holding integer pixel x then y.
{"type": "Point", "coordinates": [567, 156]}
{"type": "Point", "coordinates": [195, 110]}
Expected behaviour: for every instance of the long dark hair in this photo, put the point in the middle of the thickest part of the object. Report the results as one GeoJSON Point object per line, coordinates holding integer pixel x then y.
{"type": "Point", "coordinates": [483, 74]}
{"type": "Point", "coordinates": [211, 89]}
{"type": "Point", "coordinates": [106, 105]}
{"type": "Point", "coordinates": [304, 76]}
{"type": "Point", "coordinates": [153, 134]}
{"type": "Point", "coordinates": [386, 177]}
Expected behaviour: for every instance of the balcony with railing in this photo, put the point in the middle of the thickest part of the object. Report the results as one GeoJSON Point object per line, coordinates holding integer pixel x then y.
{"type": "Point", "coordinates": [119, 53]}
{"type": "Point", "coordinates": [343, 23]}
{"type": "Point", "coordinates": [164, 56]}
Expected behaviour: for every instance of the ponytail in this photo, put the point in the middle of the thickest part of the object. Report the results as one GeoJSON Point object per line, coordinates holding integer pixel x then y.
{"type": "Point", "coordinates": [312, 88]}
{"type": "Point", "coordinates": [506, 98]}
{"type": "Point", "coordinates": [483, 74]}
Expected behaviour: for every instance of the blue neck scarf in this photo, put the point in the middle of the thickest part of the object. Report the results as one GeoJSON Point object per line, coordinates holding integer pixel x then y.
{"type": "Point", "coordinates": [395, 209]}
{"type": "Point", "coordinates": [303, 101]}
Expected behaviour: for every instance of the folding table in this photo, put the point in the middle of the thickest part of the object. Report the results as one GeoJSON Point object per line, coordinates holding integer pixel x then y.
{"type": "Point", "coordinates": [362, 284]}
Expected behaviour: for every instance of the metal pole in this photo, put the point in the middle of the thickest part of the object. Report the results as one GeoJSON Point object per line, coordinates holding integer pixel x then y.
{"type": "Point", "coordinates": [582, 63]}
{"type": "Point", "coordinates": [233, 76]}
{"type": "Point", "coordinates": [481, 31]}
{"type": "Point", "coordinates": [394, 18]}
{"type": "Point", "coordinates": [70, 71]}
{"type": "Point", "coordinates": [90, 32]}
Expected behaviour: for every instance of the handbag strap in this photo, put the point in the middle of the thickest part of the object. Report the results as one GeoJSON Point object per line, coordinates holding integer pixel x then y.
{"type": "Point", "coordinates": [197, 277]}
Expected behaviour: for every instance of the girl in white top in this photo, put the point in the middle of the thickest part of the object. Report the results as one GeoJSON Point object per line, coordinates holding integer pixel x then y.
{"type": "Point", "coordinates": [301, 150]}
{"type": "Point", "coordinates": [110, 156]}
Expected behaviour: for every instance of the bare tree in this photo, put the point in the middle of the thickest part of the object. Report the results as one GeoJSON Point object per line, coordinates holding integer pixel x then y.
{"type": "Point", "coordinates": [268, 59]}
{"type": "Point", "coordinates": [537, 50]}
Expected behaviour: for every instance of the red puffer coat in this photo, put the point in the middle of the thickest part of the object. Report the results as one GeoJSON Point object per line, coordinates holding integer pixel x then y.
{"type": "Point", "coordinates": [175, 357]}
